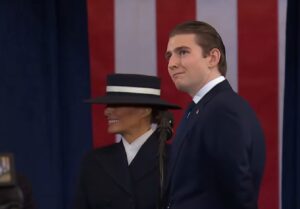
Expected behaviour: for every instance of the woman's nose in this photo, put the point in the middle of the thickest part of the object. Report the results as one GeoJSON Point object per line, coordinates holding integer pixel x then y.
{"type": "Point", "coordinates": [107, 111]}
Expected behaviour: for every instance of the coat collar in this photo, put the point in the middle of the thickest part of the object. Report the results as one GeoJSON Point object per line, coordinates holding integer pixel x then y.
{"type": "Point", "coordinates": [146, 159]}
{"type": "Point", "coordinates": [114, 162]}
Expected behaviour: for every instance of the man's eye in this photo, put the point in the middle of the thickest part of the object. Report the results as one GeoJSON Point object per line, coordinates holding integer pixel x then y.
{"type": "Point", "coordinates": [168, 56]}
{"type": "Point", "coordinates": [183, 52]}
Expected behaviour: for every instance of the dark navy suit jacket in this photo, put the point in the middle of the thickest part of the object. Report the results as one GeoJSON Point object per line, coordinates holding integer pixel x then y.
{"type": "Point", "coordinates": [218, 157]}
{"type": "Point", "coordinates": [107, 181]}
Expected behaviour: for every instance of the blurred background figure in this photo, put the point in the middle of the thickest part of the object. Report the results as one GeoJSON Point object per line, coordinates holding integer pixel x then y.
{"type": "Point", "coordinates": [15, 189]}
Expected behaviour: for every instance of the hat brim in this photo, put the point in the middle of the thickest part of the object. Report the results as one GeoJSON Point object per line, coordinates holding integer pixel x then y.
{"type": "Point", "coordinates": [133, 100]}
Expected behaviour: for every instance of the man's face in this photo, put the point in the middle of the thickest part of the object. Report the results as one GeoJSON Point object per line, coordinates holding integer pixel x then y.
{"type": "Point", "coordinates": [187, 66]}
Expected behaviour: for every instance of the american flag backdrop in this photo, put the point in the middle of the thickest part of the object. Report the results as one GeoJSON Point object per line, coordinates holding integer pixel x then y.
{"type": "Point", "coordinates": [130, 36]}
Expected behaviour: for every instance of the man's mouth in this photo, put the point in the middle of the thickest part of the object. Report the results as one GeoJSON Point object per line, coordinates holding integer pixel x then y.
{"type": "Point", "coordinates": [176, 75]}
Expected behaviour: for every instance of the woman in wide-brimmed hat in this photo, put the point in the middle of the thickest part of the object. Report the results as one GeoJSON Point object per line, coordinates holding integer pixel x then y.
{"type": "Point", "coordinates": [126, 174]}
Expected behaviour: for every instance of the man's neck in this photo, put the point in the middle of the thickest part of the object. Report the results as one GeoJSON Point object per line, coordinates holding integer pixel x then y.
{"type": "Point", "coordinates": [212, 76]}
{"type": "Point", "coordinates": [206, 88]}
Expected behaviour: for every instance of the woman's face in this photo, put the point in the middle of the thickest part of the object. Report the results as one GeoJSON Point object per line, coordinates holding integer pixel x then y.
{"type": "Point", "coordinates": [129, 121]}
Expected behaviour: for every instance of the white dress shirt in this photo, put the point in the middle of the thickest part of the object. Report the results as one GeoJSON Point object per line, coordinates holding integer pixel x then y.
{"type": "Point", "coordinates": [206, 88]}
{"type": "Point", "coordinates": [133, 148]}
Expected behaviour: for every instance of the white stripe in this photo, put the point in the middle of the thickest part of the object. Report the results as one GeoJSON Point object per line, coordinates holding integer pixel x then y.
{"type": "Point", "coordinates": [282, 7]}
{"type": "Point", "coordinates": [135, 37]}
{"type": "Point", "coordinates": [134, 90]}
{"type": "Point", "coordinates": [222, 15]}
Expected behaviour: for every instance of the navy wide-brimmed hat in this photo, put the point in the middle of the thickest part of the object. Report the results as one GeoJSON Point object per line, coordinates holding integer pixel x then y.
{"type": "Point", "coordinates": [133, 89]}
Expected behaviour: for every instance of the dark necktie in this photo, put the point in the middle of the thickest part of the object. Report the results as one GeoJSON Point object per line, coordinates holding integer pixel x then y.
{"type": "Point", "coordinates": [182, 125]}
{"type": "Point", "coordinates": [185, 117]}
{"type": "Point", "coordinates": [189, 110]}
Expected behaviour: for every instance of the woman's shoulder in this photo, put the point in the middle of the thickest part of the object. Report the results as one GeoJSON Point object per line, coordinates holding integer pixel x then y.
{"type": "Point", "coordinates": [101, 151]}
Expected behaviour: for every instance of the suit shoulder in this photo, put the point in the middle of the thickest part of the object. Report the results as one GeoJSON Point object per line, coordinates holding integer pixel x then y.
{"type": "Point", "coordinates": [228, 99]}
{"type": "Point", "coordinates": [107, 148]}
{"type": "Point", "coordinates": [230, 105]}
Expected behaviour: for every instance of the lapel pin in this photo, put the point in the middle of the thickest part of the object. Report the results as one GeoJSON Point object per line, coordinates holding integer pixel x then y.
{"type": "Point", "coordinates": [197, 111]}
{"type": "Point", "coordinates": [188, 115]}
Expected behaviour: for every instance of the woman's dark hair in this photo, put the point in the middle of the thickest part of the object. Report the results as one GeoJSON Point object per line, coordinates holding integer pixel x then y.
{"type": "Point", "coordinates": [156, 115]}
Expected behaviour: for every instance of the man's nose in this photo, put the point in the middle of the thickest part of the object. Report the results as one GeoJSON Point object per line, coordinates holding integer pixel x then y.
{"type": "Point", "coordinates": [173, 62]}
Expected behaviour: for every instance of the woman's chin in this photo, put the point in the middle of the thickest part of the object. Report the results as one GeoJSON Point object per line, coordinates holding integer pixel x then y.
{"type": "Point", "coordinates": [113, 130]}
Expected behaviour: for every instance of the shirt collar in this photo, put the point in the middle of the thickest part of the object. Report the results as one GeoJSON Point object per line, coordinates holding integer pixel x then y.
{"type": "Point", "coordinates": [133, 148]}
{"type": "Point", "coordinates": [206, 88]}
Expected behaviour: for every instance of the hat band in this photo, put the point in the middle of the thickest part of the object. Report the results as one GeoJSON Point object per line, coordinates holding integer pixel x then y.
{"type": "Point", "coordinates": [134, 90]}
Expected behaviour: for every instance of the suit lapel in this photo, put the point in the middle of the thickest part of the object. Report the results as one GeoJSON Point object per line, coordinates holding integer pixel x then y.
{"type": "Point", "coordinates": [221, 87]}
{"type": "Point", "coordinates": [114, 162]}
{"type": "Point", "coordinates": [178, 141]}
{"type": "Point", "coordinates": [193, 116]}
{"type": "Point", "coordinates": [146, 159]}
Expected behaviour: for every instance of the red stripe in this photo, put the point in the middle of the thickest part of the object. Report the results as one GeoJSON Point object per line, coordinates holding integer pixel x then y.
{"type": "Point", "coordinates": [258, 81]}
{"type": "Point", "coordinates": [101, 44]}
{"type": "Point", "coordinates": [167, 17]}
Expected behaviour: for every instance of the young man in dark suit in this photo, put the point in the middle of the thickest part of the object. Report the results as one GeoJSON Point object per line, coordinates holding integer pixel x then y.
{"type": "Point", "coordinates": [218, 153]}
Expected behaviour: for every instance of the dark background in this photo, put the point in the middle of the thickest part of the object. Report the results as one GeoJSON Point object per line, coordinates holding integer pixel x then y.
{"type": "Point", "coordinates": [43, 82]}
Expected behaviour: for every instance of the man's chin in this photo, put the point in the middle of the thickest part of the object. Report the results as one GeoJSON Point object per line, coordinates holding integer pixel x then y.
{"type": "Point", "coordinates": [180, 87]}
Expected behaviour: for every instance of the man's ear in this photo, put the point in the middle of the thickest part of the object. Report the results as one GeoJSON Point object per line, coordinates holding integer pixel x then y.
{"type": "Point", "coordinates": [214, 58]}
